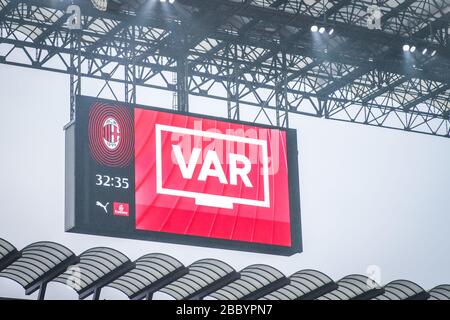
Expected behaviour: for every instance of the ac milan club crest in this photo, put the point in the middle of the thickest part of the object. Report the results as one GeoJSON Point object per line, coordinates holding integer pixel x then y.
{"type": "Point", "coordinates": [111, 133]}
{"type": "Point", "coordinates": [111, 137]}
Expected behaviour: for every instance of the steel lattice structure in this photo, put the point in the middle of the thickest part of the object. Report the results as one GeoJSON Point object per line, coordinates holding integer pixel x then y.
{"type": "Point", "coordinates": [249, 54]}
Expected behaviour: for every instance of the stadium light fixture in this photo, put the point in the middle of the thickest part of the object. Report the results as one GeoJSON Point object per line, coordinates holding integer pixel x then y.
{"type": "Point", "coordinates": [406, 47]}
{"type": "Point", "coordinates": [424, 51]}
{"type": "Point", "coordinates": [322, 29]}
{"type": "Point", "coordinates": [433, 53]}
{"type": "Point", "coordinates": [101, 5]}
{"type": "Point", "coordinates": [412, 49]}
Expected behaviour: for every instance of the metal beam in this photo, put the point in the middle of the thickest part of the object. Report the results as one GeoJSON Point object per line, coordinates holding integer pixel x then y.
{"type": "Point", "coordinates": [8, 8]}
{"type": "Point", "coordinates": [200, 29]}
{"type": "Point", "coordinates": [345, 80]}
{"type": "Point", "coordinates": [425, 97]}
{"type": "Point", "coordinates": [54, 27]}
{"type": "Point", "coordinates": [436, 24]}
{"type": "Point", "coordinates": [336, 8]}
{"type": "Point", "coordinates": [242, 31]}
{"type": "Point", "coordinates": [389, 87]}
{"type": "Point", "coordinates": [397, 10]}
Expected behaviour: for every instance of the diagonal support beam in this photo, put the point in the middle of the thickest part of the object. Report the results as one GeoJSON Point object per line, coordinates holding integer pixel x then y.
{"type": "Point", "coordinates": [293, 38]}
{"type": "Point", "coordinates": [335, 9]}
{"type": "Point", "coordinates": [436, 24]}
{"type": "Point", "coordinates": [242, 31]}
{"type": "Point", "coordinates": [54, 27]}
{"type": "Point", "coordinates": [391, 86]}
{"type": "Point", "coordinates": [270, 54]}
{"type": "Point", "coordinates": [107, 37]}
{"type": "Point", "coordinates": [303, 71]}
{"type": "Point", "coordinates": [199, 29]}
{"type": "Point", "coordinates": [395, 12]}
{"type": "Point", "coordinates": [8, 8]}
{"type": "Point", "coordinates": [124, 23]}
{"type": "Point", "coordinates": [425, 97]}
{"type": "Point", "coordinates": [345, 80]}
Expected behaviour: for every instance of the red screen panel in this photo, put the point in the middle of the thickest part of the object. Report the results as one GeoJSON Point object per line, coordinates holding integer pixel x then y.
{"type": "Point", "coordinates": [210, 178]}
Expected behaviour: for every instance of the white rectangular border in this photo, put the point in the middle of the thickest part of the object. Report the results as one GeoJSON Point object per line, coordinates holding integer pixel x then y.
{"type": "Point", "coordinates": [207, 197]}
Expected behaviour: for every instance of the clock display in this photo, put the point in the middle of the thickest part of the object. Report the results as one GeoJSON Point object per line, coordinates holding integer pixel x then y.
{"type": "Point", "coordinates": [112, 182]}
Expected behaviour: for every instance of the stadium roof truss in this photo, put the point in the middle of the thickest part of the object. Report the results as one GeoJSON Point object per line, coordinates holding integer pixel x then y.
{"type": "Point", "coordinates": [250, 54]}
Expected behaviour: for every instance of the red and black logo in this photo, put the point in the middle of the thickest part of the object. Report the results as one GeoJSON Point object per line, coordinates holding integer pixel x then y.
{"type": "Point", "coordinates": [111, 135]}
{"type": "Point", "coordinates": [121, 209]}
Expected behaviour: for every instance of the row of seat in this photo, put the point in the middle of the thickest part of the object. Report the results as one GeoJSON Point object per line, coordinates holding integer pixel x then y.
{"type": "Point", "coordinates": [41, 263]}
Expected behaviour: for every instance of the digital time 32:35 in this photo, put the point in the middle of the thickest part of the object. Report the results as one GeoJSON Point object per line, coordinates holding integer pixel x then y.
{"type": "Point", "coordinates": [112, 182]}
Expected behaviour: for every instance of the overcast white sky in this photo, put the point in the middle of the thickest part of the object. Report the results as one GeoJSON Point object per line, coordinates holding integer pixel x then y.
{"type": "Point", "coordinates": [369, 196]}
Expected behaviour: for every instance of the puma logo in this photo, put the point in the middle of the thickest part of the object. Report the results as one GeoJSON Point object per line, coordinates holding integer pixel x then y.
{"type": "Point", "coordinates": [99, 204]}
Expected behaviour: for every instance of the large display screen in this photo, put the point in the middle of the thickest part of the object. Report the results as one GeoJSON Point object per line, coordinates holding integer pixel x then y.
{"type": "Point", "coordinates": [149, 173]}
